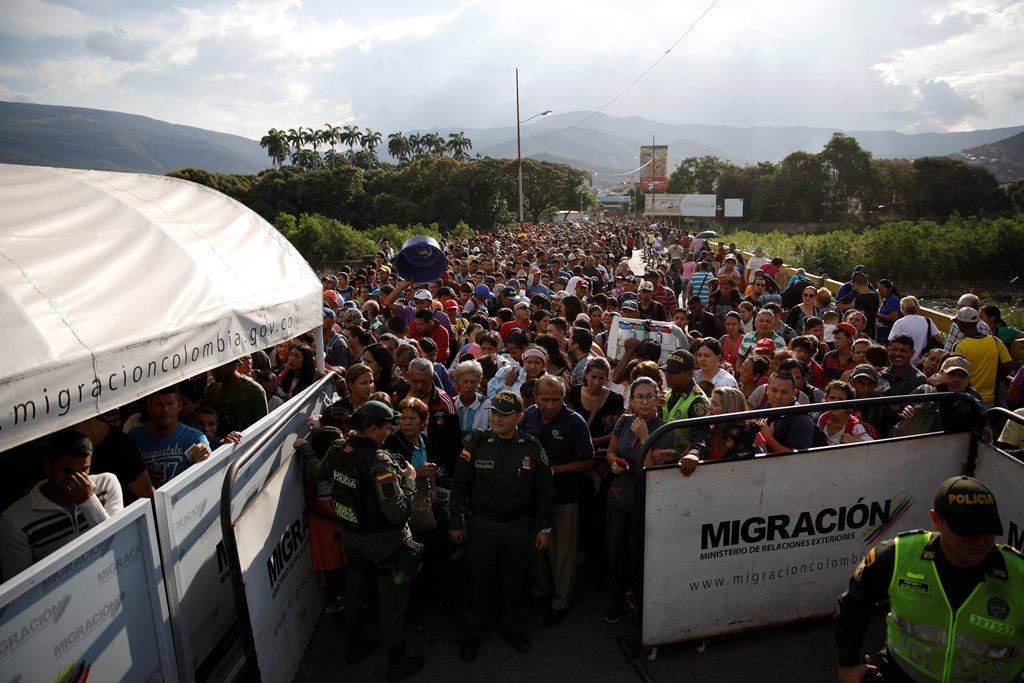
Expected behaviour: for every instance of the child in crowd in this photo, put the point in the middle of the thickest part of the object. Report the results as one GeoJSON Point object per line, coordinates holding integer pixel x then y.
{"type": "Point", "coordinates": [739, 440]}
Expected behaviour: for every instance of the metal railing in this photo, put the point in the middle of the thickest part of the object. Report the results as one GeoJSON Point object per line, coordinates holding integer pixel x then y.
{"type": "Point", "coordinates": [250, 671]}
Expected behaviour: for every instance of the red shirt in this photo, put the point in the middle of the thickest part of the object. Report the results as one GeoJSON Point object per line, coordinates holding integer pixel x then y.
{"type": "Point", "coordinates": [438, 334]}
{"type": "Point", "coordinates": [506, 328]}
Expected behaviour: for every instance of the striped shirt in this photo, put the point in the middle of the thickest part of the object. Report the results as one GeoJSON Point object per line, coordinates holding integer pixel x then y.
{"type": "Point", "coordinates": [35, 526]}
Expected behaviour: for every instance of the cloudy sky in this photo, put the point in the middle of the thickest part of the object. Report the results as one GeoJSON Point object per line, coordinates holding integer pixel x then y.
{"type": "Point", "coordinates": [244, 67]}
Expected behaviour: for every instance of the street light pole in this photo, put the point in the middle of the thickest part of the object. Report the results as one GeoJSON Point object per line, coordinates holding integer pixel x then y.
{"type": "Point", "coordinates": [519, 147]}
{"type": "Point", "coordinates": [519, 153]}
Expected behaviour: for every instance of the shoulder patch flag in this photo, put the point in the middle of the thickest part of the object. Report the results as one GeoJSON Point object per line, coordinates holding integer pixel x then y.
{"type": "Point", "coordinates": [466, 455]}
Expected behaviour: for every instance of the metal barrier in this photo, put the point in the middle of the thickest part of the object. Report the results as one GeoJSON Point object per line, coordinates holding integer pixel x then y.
{"type": "Point", "coordinates": [640, 517]}
{"type": "Point", "coordinates": [229, 512]}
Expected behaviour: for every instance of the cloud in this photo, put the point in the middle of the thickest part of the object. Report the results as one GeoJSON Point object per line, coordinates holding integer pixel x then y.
{"type": "Point", "coordinates": [117, 45]}
{"type": "Point", "coordinates": [938, 100]}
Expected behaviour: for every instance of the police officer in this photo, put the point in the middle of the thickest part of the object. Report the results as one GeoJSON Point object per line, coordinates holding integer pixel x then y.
{"type": "Point", "coordinates": [372, 494]}
{"type": "Point", "coordinates": [684, 400]}
{"type": "Point", "coordinates": [501, 500]}
{"type": "Point", "coordinates": [956, 598]}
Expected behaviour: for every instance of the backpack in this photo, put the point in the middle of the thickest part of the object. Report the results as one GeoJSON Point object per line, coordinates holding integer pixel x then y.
{"type": "Point", "coordinates": [818, 438]}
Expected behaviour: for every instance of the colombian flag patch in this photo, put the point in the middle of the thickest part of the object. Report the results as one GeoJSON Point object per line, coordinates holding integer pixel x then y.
{"type": "Point", "coordinates": [466, 455]}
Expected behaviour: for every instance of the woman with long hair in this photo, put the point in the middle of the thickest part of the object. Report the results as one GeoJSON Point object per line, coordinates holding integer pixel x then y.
{"type": "Point", "coordinates": [378, 358]}
{"type": "Point", "coordinates": [806, 309]}
{"type": "Point", "coordinates": [595, 402]}
{"type": "Point", "coordinates": [301, 371]}
{"type": "Point", "coordinates": [724, 401]}
{"type": "Point", "coordinates": [993, 317]}
{"type": "Point", "coordinates": [571, 307]}
{"type": "Point", "coordinates": [558, 363]}
{"type": "Point", "coordinates": [731, 340]}
{"type": "Point", "coordinates": [888, 310]}
{"type": "Point", "coordinates": [279, 359]}
{"type": "Point", "coordinates": [360, 385]}
{"type": "Point", "coordinates": [623, 457]}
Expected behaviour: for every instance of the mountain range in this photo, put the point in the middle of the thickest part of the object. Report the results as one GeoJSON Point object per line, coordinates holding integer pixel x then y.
{"type": "Point", "coordinates": [608, 146]}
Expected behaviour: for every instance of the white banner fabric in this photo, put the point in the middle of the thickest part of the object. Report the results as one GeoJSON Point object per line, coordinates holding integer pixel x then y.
{"type": "Point", "coordinates": [274, 551]}
{"type": "Point", "coordinates": [203, 613]}
{"type": "Point", "coordinates": [1004, 475]}
{"type": "Point", "coordinates": [772, 540]}
{"type": "Point", "coordinates": [94, 609]}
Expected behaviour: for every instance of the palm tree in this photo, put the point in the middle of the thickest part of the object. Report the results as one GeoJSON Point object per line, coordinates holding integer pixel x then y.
{"type": "Point", "coordinates": [369, 141]}
{"type": "Point", "coordinates": [415, 145]}
{"type": "Point", "coordinates": [458, 144]}
{"type": "Point", "coordinates": [435, 145]}
{"type": "Point", "coordinates": [331, 136]}
{"type": "Point", "coordinates": [307, 159]}
{"type": "Point", "coordinates": [350, 136]}
{"type": "Point", "coordinates": [398, 147]}
{"type": "Point", "coordinates": [276, 144]}
{"type": "Point", "coordinates": [296, 139]}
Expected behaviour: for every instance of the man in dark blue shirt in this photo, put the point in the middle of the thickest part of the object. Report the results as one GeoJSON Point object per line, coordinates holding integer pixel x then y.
{"type": "Point", "coordinates": [566, 438]}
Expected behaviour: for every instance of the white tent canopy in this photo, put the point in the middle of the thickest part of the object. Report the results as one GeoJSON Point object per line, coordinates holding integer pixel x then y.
{"type": "Point", "coordinates": [115, 284]}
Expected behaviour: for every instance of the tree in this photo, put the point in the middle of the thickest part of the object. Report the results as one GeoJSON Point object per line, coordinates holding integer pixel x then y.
{"type": "Point", "coordinates": [307, 159]}
{"type": "Point", "coordinates": [1015, 191]}
{"type": "Point", "coordinates": [369, 141]}
{"type": "Point", "coordinates": [849, 174]}
{"type": "Point", "coordinates": [697, 175]}
{"type": "Point", "coordinates": [947, 186]}
{"type": "Point", "coordinates": [549, 187]}
{"type": "Point", "coordinates": [276, 144]}
{"type": "Point", "coordinates": [398, 147]}
{"type": "Point", "coordinates": [349, 136]}
{"type": "Point", "coordinates": [458, 145]}
{"type": "Point", "coordinates": [331, 135]}
{"type": "Point", "coordinates": [296, 139]}
{"type": "Point", "coordinates": [801, 188]}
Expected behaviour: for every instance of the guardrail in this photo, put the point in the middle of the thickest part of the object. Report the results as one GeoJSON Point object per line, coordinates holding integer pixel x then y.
{"type": "Point", "coordinates": [228, 517]}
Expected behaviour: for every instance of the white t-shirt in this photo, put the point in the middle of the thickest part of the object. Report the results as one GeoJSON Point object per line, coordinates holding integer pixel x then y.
{"type": "Point", "coordinates": [918, 327]}
{"type": "Point", "coordinates": [721, 378]}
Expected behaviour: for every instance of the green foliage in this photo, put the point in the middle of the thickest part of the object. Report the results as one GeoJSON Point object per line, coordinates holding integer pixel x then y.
{"type": "Point", "coordinates": [1015, 191]}
{"type": "Point", "coordinates": [961, 248]}
{"type": "Point", "coordinates": [946, 186]}
{"type": "Point", "coordinates": [324, 239]}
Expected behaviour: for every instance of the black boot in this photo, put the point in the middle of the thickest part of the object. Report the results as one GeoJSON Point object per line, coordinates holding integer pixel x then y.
{"type": "Point", "coordinates": [399, 665]}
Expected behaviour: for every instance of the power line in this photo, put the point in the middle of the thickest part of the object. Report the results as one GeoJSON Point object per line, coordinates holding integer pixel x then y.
{"type": "Point", "coordinates": [648, 70]}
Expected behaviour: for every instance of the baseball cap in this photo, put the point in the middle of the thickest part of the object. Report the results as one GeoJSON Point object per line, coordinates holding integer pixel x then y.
{"type": "Point", "coordinates": [451, 304]}
{"type": "Point", "coordinates": [333, 279]}
{"type": "Point", "coordinates": [506, 403]}
{"type": "Point", "coordinates": [860, 269]}
{"type": "Point", "coordinates": [582, 317]}
{"type": "Point", "coordinates": [629, 305]}
{"type": "Point", "coordinates": [957, 363]}
{"type": "Point", "coordinates": [484, 291]}
{"type": "Point", "coordinates": [646, 286]}
{"type": "Point", "coordinates": [968, 507]}
{"type": "Point", "coordinates": [651, 273]}
{"type": "Point", "coordinates": [375, 291]}
{"type": "Point", "coordinates": [377, 410]}
{"type": "Point", "coordinates": [521, 304]}
{"type": "Point", "coordinates": [865, 370]}
{"type": "Point", "coordinates": [679, 360]}
{"type": "Point", "coordinates": [966, 315]}
{"type": "Point", "coordinates": [329, 313]}
{"type": "Point", "coordinates": [731, 256]}
{"type": "Point", "coordinates": [350, 304]}
{"type": "Point", "coordinates": [331, 295]}
{"type": "Point", "coordinates": [766, 344]}
{"type": "Point", "coordinates": [423, 295]}
{"type": "Point", "coordinates": [848, 329]}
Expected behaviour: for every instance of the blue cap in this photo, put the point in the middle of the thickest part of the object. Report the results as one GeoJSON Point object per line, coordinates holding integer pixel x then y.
{"type": "Point", "coordinates": [484, 291]}
{"type": "Point", "coordinates": [329, 313]}
{"type": "Point", "coordinates": [375, 291]}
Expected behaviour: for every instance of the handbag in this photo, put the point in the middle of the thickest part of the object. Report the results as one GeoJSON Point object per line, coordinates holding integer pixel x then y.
{"type": "Point", "coordinates": [422, 518]}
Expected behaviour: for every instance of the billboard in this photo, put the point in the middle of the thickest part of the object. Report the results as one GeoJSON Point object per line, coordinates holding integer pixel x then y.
{"type": "Point", "coordinates": [775, 539]}
{"type": "Point", "coordinates": [94, 609]}
{"type": "Point", "coordinates": [733, 208]}
{"type": "Point", "coordinates": [654, 175]}
{"type": "Point", "coordinates": [680, 205]}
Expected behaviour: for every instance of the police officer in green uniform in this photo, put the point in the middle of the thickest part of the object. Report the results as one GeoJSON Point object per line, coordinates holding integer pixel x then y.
{"type": "Point", "coordinates": [501, 501]}
{"type": "Point", "coordinates": [684, 400]}
{"type": "Point", "coordinates": [956, 598]}
{"type": "Point", "coordinates": [372, 493]}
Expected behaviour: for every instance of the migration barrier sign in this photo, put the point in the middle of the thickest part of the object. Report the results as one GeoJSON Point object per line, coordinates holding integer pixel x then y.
{"type": "Point", "coordinates": [281, 588]}
{"type": "Point", "coordinates": [1004, 475]}
{"type": "Point", "coordinates": [94, 609]}
{"type": "Point", "coordinates": [681, 205]}
{"type": "Point", "coordinates": [195, 562]}
{"type": "Point", "coordinates": [748, 544]}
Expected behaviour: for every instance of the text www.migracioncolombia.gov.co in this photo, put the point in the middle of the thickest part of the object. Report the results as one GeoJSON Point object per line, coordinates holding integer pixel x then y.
{"type": "Point", "coordinates": [777, 573]}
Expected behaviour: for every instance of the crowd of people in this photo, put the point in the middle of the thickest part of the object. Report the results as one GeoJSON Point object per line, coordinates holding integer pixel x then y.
{"type": "Point", "coordinates": [512, 411]}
